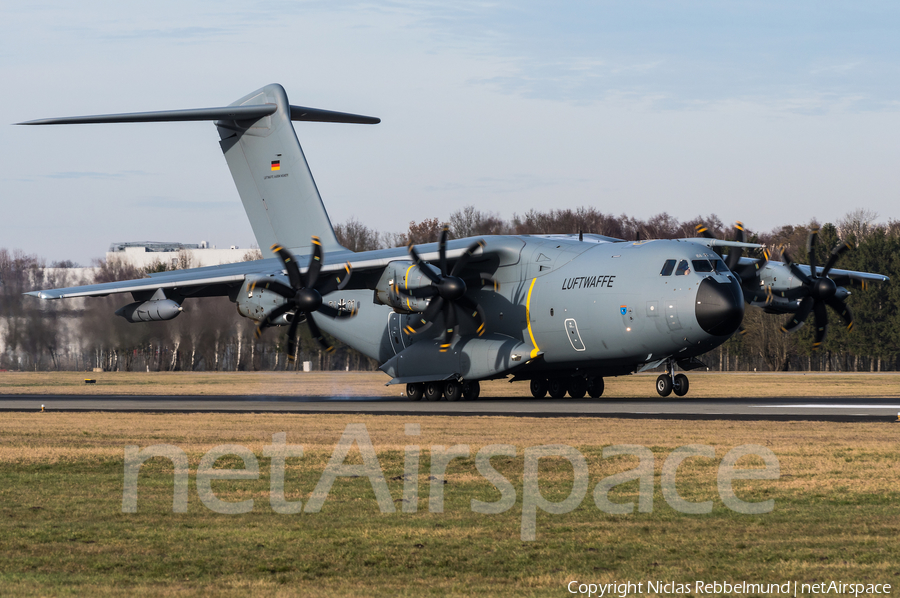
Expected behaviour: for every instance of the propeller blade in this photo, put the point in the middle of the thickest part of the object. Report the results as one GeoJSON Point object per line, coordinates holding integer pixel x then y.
{"type": "Point", "coordinates": [317, 334]}
{"type": "Point", "coordinates": [763, 295]}
{"type": "Point", "coordinates": [750, 271]}
{"type": "Point", "coordinates": [734, 256]}
{"type": "Point", "coordinates": [292, 338]}
{"type": "Point", "coordinates": [821, 320]}
{"type": "Point", "coordinates": [799, 316]}
{"type": "Point", "coordinates": [811, 242]}
{"type": "Point", "coordinates": [795, 269]}
{"type": "Point", "coordinates": [417, 293]}
{"type": "Point", "coordinates": [422, 267]}
{"type": "Point", "coordinates": [290, 264]}
{"type": "Point", "coordinates": [794, 293]}
{"type": "Point", "coordinates": [703, 231]}
{"type": "Point", "coordinates": [426, 317]}
{"type": "Point", "coordinates": [463, 260]}
{"type": "Point", "coordinates": [442, 249]}
{"type": "Point", "coordinates": [488, 281]}
{"type": "Point", "coordinates": [315, 264]}
{"type": "Point", "coordinates": [842, 310]}
{"type": "Point", "coordinates": [449, 324]}
{"type": "Point", "coordinates": [475, 312]}
{"type": "Point", "coordinates": [276, 287]}
{"type": "Point", "coordinates": [271, 317]}
{"type": "Point", "coordinates": [336, 281]}
{"type": "Point", "coordinates": [331, 312]}
{"type": "Point", "coordinates": [835, 254]}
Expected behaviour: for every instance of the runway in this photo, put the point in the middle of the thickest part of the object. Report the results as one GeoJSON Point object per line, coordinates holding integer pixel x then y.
{"type": "Point", "coordinates": [805, 409]}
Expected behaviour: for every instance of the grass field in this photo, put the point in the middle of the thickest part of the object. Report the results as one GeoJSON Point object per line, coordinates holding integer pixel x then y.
{"type": "Point", "coordinates": [330, 384]}
{"type": "Point", "coordinates": [836, 514]}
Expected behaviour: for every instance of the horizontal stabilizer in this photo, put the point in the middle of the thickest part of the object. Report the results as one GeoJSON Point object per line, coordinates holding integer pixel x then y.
{"type": "Point", "coordinates": [240, 113]}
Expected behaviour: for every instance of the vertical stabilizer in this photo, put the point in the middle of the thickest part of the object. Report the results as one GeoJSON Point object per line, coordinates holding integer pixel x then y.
{"type": "Point", "coordinates": [265, 158]}
{"type": "Point", "coordinates": [272, 177]}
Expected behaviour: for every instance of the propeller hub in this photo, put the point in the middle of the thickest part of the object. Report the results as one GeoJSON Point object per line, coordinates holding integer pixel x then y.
{"type": "Point", "coordinates": [308, 300]}
{"type": "Point", "coordinates": [452, 288]}
{"type": "Point", "coordinates": [823, 288]}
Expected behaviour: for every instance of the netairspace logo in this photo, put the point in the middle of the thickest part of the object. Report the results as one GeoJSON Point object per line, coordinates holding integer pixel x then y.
{"type": "Point", "coordinates": [665, 588]}
{"type": "Point", "coordinates": [532, 500]}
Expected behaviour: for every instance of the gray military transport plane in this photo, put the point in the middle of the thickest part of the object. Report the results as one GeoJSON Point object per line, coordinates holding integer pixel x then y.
{"type": "Point", "coordinates": [561, 311]}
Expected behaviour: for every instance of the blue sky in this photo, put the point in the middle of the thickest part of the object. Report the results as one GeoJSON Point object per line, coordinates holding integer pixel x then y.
{"type": "Point", "coordinates": [767, 112]}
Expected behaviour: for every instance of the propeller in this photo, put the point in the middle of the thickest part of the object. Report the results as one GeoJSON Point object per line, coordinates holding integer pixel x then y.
{"type": "Point", "coordinates": [748, 274]}
{"type": "Point", "coordinates": [816, 291]}
{"type": "Point", "coordinates": [446, 291]}
{"type": "Point", "coordinates": [304, 295]}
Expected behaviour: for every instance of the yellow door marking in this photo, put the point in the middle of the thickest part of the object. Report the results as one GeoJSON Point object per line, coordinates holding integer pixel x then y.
{"type": "Point", "coordinates": [534, 351]}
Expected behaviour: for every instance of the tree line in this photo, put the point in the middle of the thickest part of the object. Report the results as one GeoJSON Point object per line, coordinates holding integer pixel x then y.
{"type": "Point", "coordinates": [82, 334]}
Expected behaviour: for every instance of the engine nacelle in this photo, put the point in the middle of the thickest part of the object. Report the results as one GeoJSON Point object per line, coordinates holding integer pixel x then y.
{"type": "Point", "coordinates": [150, 311]}
{"type": "Point", "coordinates": [407, 276]}
{"type": "Point", "coordinates": [255, 302]}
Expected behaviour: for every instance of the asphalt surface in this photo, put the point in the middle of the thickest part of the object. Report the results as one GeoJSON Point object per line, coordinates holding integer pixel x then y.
{"type": "Point", "coordinates": [805, 409]}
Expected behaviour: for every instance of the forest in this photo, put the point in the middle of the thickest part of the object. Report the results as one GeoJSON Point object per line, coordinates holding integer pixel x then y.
{"type": "Point", "coordinates": [83, 334]}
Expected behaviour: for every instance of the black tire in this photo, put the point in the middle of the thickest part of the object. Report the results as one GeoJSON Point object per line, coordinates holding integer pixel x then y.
{"type": "Point", "coordinates": [538, 388]}
{"type": "Point", "coordinates": [434, 391]}
{"type": "Point", "coordinates": [664, 385]}
{"type": "Point", "coordinates": [471, 390]}
{"type": "Point", "coordinates": [578, 387]}
{"type": "Point", "coordinates": [452, 390]}
{"type": "Point", "coordinates": [557, 388]}
{"type": "Point", "coordinates": [681, 385]}
{"type": "Point", "coordinates": [414, 392]}
{"type": "Point", "coordinates": [595, 387]}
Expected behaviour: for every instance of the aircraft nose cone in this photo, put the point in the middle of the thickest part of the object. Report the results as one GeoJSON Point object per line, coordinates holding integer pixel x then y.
{"type": "Point", "coordinates": [720, 307]}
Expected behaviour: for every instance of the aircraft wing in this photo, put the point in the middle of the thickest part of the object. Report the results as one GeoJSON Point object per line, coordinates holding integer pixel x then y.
{"type": "Point", "coordinates": [220, 280]}
{"type": "Point", "coordinates": [212, 280]}
{"type": "Point", "coordinates": [840, 277]}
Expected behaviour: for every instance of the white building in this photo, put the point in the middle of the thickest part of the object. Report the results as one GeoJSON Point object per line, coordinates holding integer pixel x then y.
{"type": "Point", "coordinates": [147, 254]}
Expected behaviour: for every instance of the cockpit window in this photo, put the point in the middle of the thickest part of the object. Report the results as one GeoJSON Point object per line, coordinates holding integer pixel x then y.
{"type": "Point", "coordinates": [668, 268]}
{"type": "Point", "coordinates": [702, 266]}
{"type": "Point", "coordinates": [683, 268]}
{"type": "Point", "coordinates": [721, 268]}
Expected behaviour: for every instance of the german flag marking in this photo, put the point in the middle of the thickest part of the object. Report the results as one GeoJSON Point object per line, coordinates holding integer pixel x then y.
{"type": "Point", "coordinates": [276, 164]}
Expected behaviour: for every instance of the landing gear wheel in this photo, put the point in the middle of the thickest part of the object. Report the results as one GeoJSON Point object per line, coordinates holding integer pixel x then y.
{"type": "Point", "coordinates": [434, 391]}
{"type": "Point", "coordinates": [578, 387]}
{"type": "Point", "coordinates": [414, 392]}
{"type": "Point", "coordinates": [663, 385]}
{"type": "Point", "coordinates": [471, 390]}
{"type": "Point", "coordinates": [681, 385]}
{"type": "Point", "coordinates": [452, 390]}
{"type": "Point", "coordinates": [557, 388]}
{"type": "Point", "coordinates": [538, 388]}
{"type": "Point", "coordinates": [595, 387]}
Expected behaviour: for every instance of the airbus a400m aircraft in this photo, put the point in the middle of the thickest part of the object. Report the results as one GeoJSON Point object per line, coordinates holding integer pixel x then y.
{"type": "Point", "coordinates": [560, 311]}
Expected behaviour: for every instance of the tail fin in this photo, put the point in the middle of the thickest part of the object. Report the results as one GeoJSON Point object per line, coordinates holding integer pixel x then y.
{"type": "Point", "coordinates": [269, 169]}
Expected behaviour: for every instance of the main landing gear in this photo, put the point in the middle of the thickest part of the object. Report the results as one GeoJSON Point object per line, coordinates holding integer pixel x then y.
{"type": "Point", "coordinates": [671, 382]}
{"type": "Point", "coordinates": [575, 386]}
{"type": "Point", "coordinates": [449, 389]}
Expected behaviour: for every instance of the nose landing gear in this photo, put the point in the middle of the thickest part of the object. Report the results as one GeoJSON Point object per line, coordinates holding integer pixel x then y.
{"type": "Point", "coordinates": [671, 382]}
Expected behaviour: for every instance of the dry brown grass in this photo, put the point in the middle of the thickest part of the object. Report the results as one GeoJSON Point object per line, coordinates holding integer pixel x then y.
{"type": "Point", "coordinates": [810, 453]}
{"type": "Point", "coordinates": [350, 384]}
{"type": "Point", "coordinates": [62, 530]}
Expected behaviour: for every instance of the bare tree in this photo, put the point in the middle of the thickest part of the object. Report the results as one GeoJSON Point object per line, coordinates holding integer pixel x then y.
{"type": "Point", "coordinates": [857, 224]}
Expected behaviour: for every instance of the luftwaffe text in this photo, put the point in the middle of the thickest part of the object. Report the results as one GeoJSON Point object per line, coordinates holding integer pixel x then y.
{"type": "Point", "coordinates": [587, 282]}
